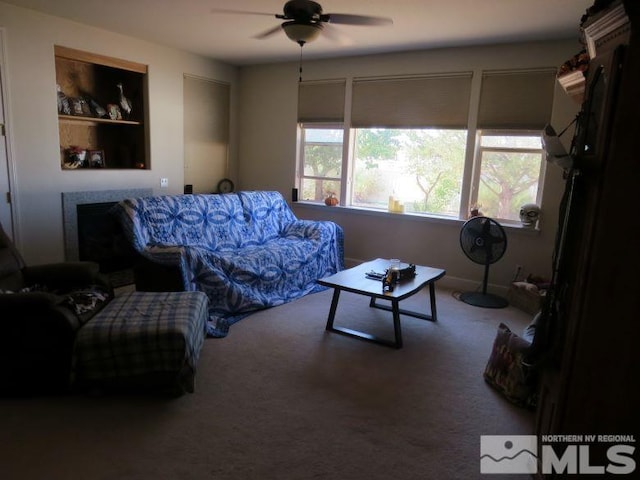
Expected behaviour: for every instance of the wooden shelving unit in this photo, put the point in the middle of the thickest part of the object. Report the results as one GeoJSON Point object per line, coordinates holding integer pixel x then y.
{"type": "Point", "coordinates": [94, 78]}
{"type": "Point", "coordinates": [573, 84]}
{"type": "Point", "coordinates": [572, 75]}
{"type": "Point", "coordinates": [589, 330]}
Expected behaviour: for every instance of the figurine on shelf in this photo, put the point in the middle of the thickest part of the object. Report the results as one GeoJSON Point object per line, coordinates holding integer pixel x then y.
{"type": "Point", "coordinates": [96, 108]}
{"type": "Point", "coordinates": [474, 211]}
{"type": "Point", "coordinates": [530, 215]}
{"type": "Point", "coordinates": [114, 112]}
{"type": "Point", "coordinates": [84, 106]}
{"type": "Point", "coordinates": [125, 103]}
{"type": "Point", "coordinates": [63, 102]}
{"type": "Point", "coordinates": [76, 106]}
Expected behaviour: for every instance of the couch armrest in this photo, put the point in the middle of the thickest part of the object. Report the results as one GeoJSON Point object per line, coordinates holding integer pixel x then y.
{"type": "Point", "coordinates": [31, 310]}
{"type": "Point", "coordinates": [62, 274]}
{"type": "Point", "coordinates": [66, 276]}
{"type": "Point", "coordinates": [28, 301]}
{"type": "Point", "coordinates": [308, 229]}
{"type": "Point", "coordinates": [160, 269]}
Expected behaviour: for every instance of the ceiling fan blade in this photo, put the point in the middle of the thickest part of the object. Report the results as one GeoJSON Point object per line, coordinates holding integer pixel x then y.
{"type": "Point", "coordinates": [333, 34]}
{"type": "Point", "coordinates": [268, 33]}
{"type": "Point", "coordinates": [348, 19]}
{"type": "Point", "coordinates": [241, 12]}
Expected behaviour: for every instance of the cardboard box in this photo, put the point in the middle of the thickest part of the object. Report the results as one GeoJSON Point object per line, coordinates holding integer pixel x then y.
{"type": "Point", "coordinates": [526, 296]}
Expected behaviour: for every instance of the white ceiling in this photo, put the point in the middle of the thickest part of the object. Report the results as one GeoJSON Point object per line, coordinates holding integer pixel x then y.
{"type": "Point", "coordinates": [417, 24]}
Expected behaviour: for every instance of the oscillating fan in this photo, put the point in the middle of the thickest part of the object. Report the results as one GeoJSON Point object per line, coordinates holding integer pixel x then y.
{"type": "Point", "coordinates": [484, 241]}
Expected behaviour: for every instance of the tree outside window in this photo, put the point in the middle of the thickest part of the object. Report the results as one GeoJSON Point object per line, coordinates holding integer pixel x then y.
{"type": "Point", "coordinates": [510, 173]}
{"type": "Point", "coordinates": [424, 168]}
{"type": "Point", "coordinates": [322, 162]}
{"type": "Point", "coordinates": [421, 167]}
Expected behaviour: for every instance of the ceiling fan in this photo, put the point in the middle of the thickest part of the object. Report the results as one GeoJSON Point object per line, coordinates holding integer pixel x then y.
{"type": "Point", "coordinates": [304, 21]}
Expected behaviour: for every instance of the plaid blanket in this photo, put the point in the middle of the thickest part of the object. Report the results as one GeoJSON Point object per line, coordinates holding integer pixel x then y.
{"type": "Point", "coordinates": [143, 334]}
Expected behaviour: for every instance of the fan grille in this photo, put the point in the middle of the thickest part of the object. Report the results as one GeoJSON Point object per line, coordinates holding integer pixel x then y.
{"type": "Point", "coordinates": [483, 240]}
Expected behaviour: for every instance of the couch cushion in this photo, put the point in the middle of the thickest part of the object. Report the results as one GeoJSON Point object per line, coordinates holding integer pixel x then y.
{"type": "Point", "coordinates": [215, 222]}
{"type": "Point", "coordinates": [267, 214]}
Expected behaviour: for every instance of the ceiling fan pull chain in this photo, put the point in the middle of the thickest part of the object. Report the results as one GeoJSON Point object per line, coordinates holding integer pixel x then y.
{"type": "Point", "coordinates": [300, 64]}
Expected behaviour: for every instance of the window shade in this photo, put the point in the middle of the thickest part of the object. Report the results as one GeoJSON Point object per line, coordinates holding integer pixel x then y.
{"type": "Point", "coordinates": [206, 132]}
{"type": "Point", "coordinates": [321, 101]}
{"type": "Point", "coordinates": [438, 101]}
{"type": "Point", "coordinates": [520, 100]}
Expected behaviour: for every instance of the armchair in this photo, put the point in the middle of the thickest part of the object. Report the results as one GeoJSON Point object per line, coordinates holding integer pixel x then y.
{"type": "Point", "coordinates": [41, 309]}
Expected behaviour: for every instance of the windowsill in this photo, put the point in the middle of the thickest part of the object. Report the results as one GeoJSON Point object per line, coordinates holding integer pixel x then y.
{"type": "Point", "coordinates": [408, 216]}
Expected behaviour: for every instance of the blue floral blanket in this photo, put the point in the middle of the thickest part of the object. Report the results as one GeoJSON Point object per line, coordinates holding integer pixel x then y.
{"type": "Point", "coordinates": [247, 251]}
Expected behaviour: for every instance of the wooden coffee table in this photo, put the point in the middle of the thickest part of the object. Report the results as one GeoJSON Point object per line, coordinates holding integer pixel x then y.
{"type": "Point", "coordinates": [354, 280]}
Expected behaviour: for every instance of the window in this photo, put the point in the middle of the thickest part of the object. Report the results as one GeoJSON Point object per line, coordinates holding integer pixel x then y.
{"type": "Point", "coordinates": [509, 170]}
{"type": "Point", "coordinates": [420, 168]}
{"type": "Point", "coordinates": [321, 161]}
{"type": "Point", "coordinates": [408, 139]}
{"type": "Point", "coordinates": [424, 169]}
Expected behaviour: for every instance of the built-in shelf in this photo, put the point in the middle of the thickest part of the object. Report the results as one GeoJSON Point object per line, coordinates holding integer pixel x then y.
{"type": "Point", "coordinates": [101, 130]}
{"type": "Point", "coordinates": [94, 120]}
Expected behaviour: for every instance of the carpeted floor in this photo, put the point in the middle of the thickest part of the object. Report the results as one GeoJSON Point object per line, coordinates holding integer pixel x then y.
{"type": "Point", "coordinates": [280, 398]}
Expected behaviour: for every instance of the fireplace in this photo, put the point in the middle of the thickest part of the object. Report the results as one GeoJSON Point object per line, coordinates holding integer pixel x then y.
{"type": "Point", "coordinates": [100, 240]}
{"type": "Point", "coordinates": [93, 234]}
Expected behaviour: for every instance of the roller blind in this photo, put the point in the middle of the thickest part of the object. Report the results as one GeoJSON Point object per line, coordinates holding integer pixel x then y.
{"type": "Point", "coordinates": [321, 101]}
{"type": "Point", "coordinates": [516, 99]}
{"type": "Point", "coordinates": [206, 132]}
{"type": "Point", "coordinates": [434, 101]}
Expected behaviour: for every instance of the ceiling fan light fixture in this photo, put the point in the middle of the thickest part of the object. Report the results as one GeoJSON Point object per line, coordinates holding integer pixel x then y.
{"type": "Point", "coordinates": [302, 32]}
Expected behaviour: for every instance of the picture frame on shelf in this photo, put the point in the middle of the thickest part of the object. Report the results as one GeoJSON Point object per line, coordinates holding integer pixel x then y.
{"type": "Point", "coordinates": [74, 157]}
{"type": "Point", "coordinates": [96, 159]}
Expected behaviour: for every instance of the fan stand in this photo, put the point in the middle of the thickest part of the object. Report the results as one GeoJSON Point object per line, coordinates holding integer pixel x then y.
{"type": "Point", "coordinates": [484, 299]}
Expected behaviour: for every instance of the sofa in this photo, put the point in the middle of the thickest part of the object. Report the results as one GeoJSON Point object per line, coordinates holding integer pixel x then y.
{"type": "Point", "coordinates": [247, 250]}
{"type": "Point", "coordinates": [42, 307]}
{"type": "Point", "coordinates": [64, 330]}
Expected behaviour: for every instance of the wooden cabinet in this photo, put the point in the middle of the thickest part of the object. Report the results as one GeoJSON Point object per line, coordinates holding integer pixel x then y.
{"type": "Point", "coordinates": [95, 131]}
{"type": "Point", "coordinates": [590, 381]}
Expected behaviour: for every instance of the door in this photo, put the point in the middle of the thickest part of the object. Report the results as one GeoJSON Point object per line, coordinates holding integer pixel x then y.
{"type": "Point", "coordinates": [5, 184]}
{"type": "Point", "coordinates": [206, 133]}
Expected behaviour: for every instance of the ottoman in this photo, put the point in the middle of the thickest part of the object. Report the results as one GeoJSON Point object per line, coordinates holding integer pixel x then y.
{"type": "Point", "coordinates": [143, 340]}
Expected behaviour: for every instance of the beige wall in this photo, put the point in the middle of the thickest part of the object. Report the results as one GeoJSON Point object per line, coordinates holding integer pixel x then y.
{"type": "Point", "coordinates": [267, 153]}
{"type": "Point", "coordinates": [29, 71]}
{"type": "Point", "coordinates": [262, 144]}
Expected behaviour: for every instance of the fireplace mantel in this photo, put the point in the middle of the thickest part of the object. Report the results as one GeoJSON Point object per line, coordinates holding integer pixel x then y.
{"type": "Point", "coordinates": [70, 201]}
